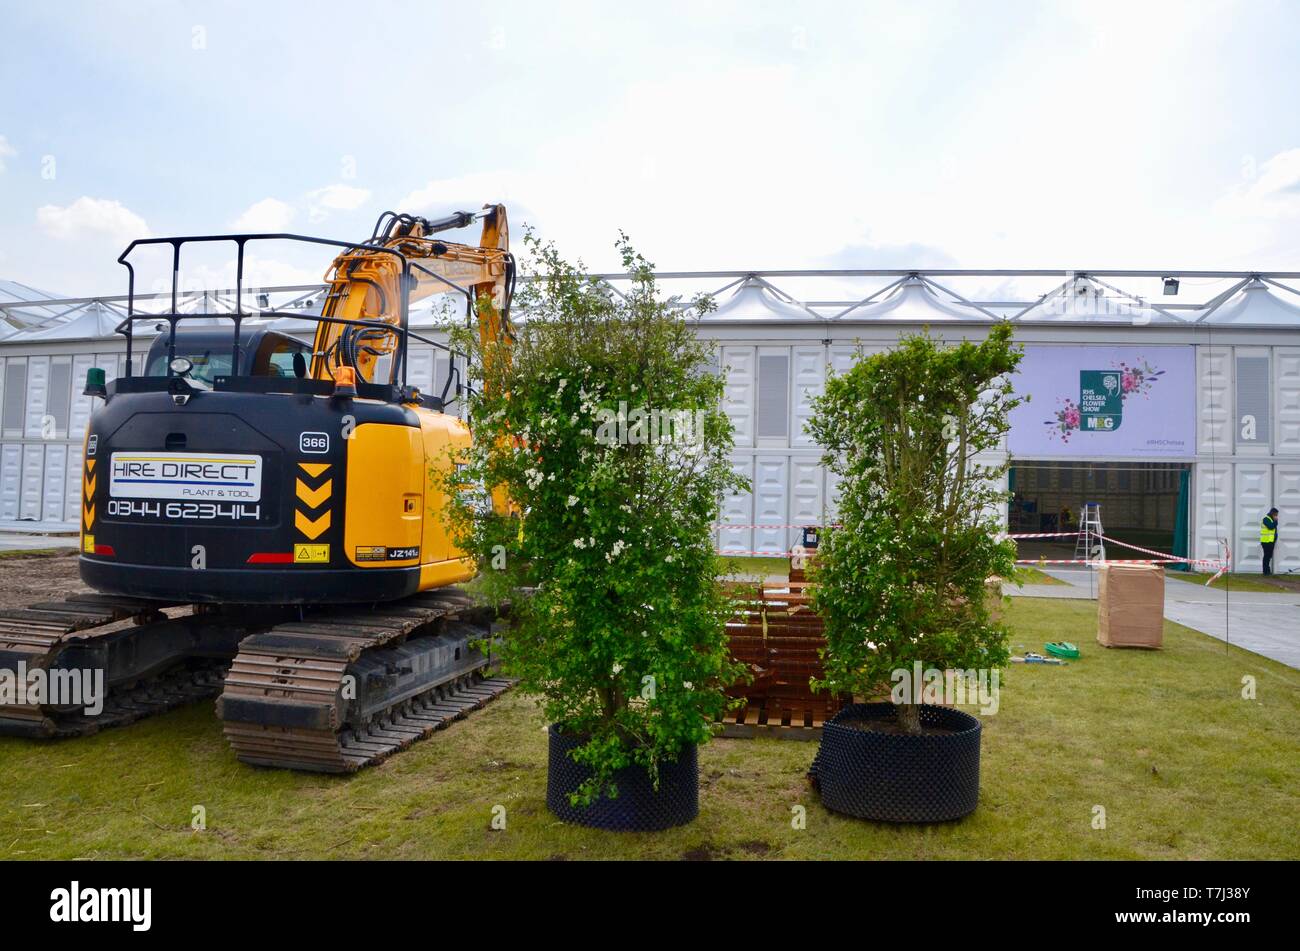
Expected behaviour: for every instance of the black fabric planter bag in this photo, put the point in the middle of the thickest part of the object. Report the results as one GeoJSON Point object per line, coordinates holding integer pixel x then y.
{"type": "Point", "coordinates": [894, 777]}
{"type": "Point", "coordinates": [638, 807]}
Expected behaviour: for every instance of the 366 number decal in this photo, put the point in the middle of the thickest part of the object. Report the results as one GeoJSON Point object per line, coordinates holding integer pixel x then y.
{"type": "Point", "coordinates": [314, 443]}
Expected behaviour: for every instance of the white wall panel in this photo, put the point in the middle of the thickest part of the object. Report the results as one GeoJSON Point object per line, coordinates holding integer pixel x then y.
{"type": "Point", "coordinates": [1214, 399]}
{"type": "Point", "coordinates": [11, 480]}
{"type": "Point", "coordinates": [38, 393]}
{"type": "Point", "coordinates": [33, 481]}
{"type": "Point", "coordinates": [1286, 400]}
{"type": "Point", "coordinates": [72, 486]}
{"type": "Point", "coordinates": [738, 365]}
{"type": "Point", "coordinates": [841, 358]}
{"type": "Point", "coordinates": [738, 509]}
{"type": "Point", "coordinates": [79, 417]}
{"type": "Point", "coordinates": [771, 504]}
{"type": "Point", "coordinates": [807, 500]}
{"type": "Point", "coordinates": [1213, 509]}
{"type": "Point", "coordinates": [1286, 496]}
{"type": "Point", "coordinates": [419, 368]}
{"type": "Point", "coordinates": [1254, 497]}
{"type": "Point", "coordinates": [109, 363]}
{"type": "Point", "coordinates": [809, 382]}
{"type": "Point", "coordinates": [56, 463]}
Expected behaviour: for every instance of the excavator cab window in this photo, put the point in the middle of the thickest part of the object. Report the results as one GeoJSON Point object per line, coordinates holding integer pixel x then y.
{"type": "Point", "coordinates": [265, 353]}
{"type": "Point", "coordinates": [274, 356]}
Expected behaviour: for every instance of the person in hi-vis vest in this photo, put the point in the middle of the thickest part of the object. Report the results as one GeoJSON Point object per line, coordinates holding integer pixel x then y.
{"type": "Point", "coordinates": [1268, 538]}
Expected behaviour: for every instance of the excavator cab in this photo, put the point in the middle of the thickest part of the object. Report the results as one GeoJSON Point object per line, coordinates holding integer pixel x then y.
{"type": "Point", "coordinates": [248, 466]}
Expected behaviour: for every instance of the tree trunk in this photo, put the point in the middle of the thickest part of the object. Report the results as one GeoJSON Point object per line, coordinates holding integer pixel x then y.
{"type": "Point", "coordinates": [909, 717]}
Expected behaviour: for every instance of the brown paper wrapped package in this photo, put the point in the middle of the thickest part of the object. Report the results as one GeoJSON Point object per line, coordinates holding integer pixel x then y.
{"type": "Point", "coordinates": [1131, 606]}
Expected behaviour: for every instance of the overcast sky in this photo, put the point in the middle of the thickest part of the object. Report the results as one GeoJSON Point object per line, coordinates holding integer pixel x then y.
{"type": "Point", "coordinates": [724, 135]}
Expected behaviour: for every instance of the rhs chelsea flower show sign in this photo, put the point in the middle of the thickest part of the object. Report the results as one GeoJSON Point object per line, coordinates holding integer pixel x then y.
{"type": "Point", "coordinates": [1094, 402]}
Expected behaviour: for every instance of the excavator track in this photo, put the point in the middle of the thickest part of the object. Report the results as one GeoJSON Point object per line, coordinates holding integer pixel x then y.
{"type": "Point", "coordinates": [345, 688]}
{"type": "Point", "coordinates": [32, 638]}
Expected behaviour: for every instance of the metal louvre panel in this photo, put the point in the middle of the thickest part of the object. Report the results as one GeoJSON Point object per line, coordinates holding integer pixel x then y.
{"type": "Point", "coordinates": [60, 400]}
{"type": "Point", "coordinates": [771, 495]}
{"type": "Point", "coordinates": [738, 364]}
{"type": "Point", "coordinates": [32, 482]}
{"type": "Point", "coordinates": [441, 371]}
{"type": "Point", "coordinates": [1214, 509]}
{"type": "Point", "coordinates": [1286, 496]}
{"type": "Point", "coordinates": [1254, 498]}
{"type": "Point", "coordinates": [773, 411]}
{"type": "Point", "coordinates": [1214, 399]}
{"type": "Point", "coordinates": [15, 398]}
{"type": "Point", "coordinates": [1287, 401]}
{"type": "Point", "coordinates": [809, 382]}
{"type": "Point", "coordinates": [38, 391]}
{"type": "Point", "coordinates": [11, 475]}
{"type": "Point", "coordinates": [738, 509]}
{"type": "Point", "coordinates": [1253, 400]}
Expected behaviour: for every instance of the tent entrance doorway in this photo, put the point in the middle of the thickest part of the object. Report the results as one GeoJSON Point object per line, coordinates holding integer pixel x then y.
{"type": "Point", "coordinates": [1141, 503]}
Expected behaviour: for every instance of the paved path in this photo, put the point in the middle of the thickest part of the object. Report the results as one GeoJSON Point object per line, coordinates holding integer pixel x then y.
{"type": "Point", "coordinates": [1265, 623]}
{"type": "Point", "coordinates": [24, 541]}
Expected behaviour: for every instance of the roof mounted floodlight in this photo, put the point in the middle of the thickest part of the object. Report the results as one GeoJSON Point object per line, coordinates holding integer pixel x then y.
{"type": "Point", "coordinates": [1171, 286]}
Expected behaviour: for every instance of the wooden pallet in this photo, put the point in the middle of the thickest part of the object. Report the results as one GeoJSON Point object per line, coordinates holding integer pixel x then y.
{"type": "Point", "coordinates": [777, 636]}
{"type": "Point", "coordinates": [753, 721]}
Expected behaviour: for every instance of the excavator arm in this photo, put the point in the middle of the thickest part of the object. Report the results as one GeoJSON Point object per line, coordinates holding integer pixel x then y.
{"type": "Point", "coordinates": [369, 284]}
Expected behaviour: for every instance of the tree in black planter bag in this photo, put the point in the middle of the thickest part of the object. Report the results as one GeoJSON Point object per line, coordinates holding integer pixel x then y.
{"type": "Point", "coordinates": [604, 428]}
{"type": "Point", "coordinates": [902, 579]}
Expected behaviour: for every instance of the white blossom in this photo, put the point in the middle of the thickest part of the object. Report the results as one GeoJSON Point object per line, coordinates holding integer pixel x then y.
{"type": "Point", "coordinates": [571, 501]}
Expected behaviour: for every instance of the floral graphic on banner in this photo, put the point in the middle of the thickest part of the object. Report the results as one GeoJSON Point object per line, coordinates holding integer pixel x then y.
{"type": "Point", "coordinates": [1102, 394]}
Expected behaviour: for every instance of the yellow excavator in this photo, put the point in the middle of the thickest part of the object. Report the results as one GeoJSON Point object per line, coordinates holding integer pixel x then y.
{"type": "Point", "coordinates": [263, 518]}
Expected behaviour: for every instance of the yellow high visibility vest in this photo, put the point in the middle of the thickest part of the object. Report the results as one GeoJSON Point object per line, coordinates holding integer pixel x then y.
{"type": "Point", "coordinates": [1267, 534]}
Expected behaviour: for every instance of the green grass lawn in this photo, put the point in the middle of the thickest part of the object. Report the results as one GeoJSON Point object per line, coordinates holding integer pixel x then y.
{"type": "Point", "coordinates": [754, 565]}
{"type": "Point", "coordinates": [1239, 582]}
{"type": "Point", "coordinates": [1183, 766]}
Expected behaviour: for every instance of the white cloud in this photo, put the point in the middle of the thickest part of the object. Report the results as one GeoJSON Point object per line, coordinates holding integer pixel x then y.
{"type": "Point", "coordinates": [268, 215]}
{"type": "Point", "coordinates": [7, 151]}
{"type": "Point", "coordinates": [336, 197]}
{"type": "Point", "coordinates": [1270, 191]}
{"type": "Point", "coordinates": [92, 217]}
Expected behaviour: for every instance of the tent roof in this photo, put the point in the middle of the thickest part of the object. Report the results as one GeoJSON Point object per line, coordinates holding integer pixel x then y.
{"type": "Point", "coordinates": [914, 299]}
{"type": "Point", "coordinates": [1256, 303]}
{"type": "Point", "coordinates": [89, 321]}
{"type": "Point", "coordinates": [755, 299]}
{"type": "Point", "coordinates": [1082, 299]}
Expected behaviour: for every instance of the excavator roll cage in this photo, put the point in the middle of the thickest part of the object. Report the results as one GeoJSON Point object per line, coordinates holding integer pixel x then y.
{"type": "Point", "coordinates": [357, 335]}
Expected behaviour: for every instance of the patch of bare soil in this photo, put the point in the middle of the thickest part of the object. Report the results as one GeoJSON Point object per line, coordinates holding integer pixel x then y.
{"type": "Point", "coordinates": [28, 580]}
{"type": "Point", "coordinates": [891, 726]}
